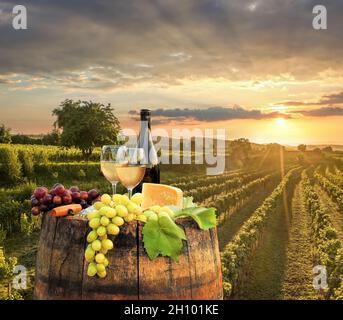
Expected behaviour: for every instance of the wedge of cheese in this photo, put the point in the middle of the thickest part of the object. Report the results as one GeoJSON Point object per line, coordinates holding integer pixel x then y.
{"type": "Point", "coordinates": [161, 195]}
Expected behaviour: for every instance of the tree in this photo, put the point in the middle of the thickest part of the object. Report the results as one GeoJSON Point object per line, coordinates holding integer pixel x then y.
{"type": "Point", "coordinates": [302, 147]}
{"type": "Point", "coordinates": [52, 139]}
{"type": "Point", "coordinates": [86, 124]}
{"type": "Point", "coordinates": [240, 150]}
{"type": "Point", "coordinates": [5, 136]}
{"type": "Point", "coordinates": [327, 149]}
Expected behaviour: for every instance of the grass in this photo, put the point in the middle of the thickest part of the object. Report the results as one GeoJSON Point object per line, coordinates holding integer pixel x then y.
{"type": "Point", "coordinates": [24, 248]}
{"type": "Point", "coordinates": [297, 283]}
{"type": "Point", "coordinates": [228, 229]}
{"type": "Point", "coordinates": [263, 277]}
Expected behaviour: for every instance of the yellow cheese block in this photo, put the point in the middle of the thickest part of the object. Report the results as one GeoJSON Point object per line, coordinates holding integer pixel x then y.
{"type": "Point", "coordinates": [161, 195]}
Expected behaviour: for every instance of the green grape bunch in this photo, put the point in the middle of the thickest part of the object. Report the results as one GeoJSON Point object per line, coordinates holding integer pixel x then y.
{"type": "Point", "coordinates": [108, 216]}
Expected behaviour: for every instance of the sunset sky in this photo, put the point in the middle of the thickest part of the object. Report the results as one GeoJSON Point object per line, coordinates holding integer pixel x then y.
{"type": "Point", "coordinates": [256, 68]}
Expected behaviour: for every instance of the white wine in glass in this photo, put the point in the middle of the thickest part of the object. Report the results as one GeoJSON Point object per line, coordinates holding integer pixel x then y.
{"type": "Point", "coordinates": [131, 167]}
{"type": "Point", "coordinates": [130, 175]}
{"type": "Point", "coordinates": [108, 163]}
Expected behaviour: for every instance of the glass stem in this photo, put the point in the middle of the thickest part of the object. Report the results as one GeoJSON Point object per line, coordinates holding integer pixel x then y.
{"type": "Point", "coordinates": [129, 191]}
{"type": "Point", "coordinates": [114, 188]}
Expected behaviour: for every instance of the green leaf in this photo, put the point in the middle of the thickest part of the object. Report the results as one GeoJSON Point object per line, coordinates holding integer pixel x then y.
{"type": "Point", "coordinates": [204, 217]}
{"type": "Point", "coordinates": [188, 203]}
{"type": "Point", "coordinates": [163, 237]}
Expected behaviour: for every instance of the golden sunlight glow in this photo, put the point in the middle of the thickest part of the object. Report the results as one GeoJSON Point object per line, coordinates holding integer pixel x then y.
{"type": "Point", "coordinates": [281, 122]}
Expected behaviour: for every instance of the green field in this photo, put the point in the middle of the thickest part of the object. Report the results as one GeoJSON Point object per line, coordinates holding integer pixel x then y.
{"type": "Point", "coordinates": [280, 213]}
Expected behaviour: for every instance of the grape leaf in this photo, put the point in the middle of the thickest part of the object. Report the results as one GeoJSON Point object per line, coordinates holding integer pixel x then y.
{"type": "Point", "coordinates": [204, 217]}
{"type": "Point", "coordinates": [163, 237]}
{"type": "Point", "coordinates": [188, 203]}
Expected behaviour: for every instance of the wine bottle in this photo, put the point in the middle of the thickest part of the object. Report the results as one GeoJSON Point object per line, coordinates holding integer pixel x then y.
{"type": "Point", "coordinates": [152, 172]}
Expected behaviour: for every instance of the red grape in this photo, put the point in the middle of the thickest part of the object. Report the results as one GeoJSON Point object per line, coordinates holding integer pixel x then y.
{"type": "Point", "coordinates": [47, 199]}
{"type": "Point", "coordinates": [34, 202]}
{"type": "Point", "coordinates": [57, 200]}
{"type": "Point", "coordinates": [84, 195]}
{"type": "Point", "coordinates": [40, 192]}
{"type": "Point", "coordinates": [92, 194]}
{"type": "Point", "coordinates": [35, 211]}
{"type": "Point", "coordinates": [59, 190]}
{"type": "Point", "coordinates": [76, 197]}
{"type": "Point", "coordinates": [67, 193]}
{"type": "Point", "coordinates": [75, 194]}
{"type": "Point", "coordinates": [67, 199]}
{"type": "Point", "coordinates": [74, 189]}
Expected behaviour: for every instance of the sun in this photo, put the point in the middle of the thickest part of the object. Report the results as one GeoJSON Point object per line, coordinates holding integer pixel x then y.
{"type": "Point", "coordinates": [280, 122]}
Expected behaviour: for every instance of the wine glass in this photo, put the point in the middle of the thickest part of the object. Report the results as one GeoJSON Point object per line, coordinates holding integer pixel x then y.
{"type": "Point", "coordinates": [108, 163]}
{"type": "Point", "coordinates": [130, 167]}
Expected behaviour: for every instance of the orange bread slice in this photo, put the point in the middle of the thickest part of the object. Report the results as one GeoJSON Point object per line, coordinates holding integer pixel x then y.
{"type": "Point", "coordinates": [161, 195]}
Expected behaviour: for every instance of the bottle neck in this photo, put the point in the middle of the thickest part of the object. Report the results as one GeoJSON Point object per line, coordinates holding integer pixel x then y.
{"type": "Point", "coordinates": [145, 122]}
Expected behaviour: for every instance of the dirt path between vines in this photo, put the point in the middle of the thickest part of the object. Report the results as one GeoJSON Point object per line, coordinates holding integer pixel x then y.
{"type": "Point", "coordinates": [265, 272]}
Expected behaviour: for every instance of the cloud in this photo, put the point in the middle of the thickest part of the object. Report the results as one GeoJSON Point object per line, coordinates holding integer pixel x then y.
{"type": "Point", "coordinates": [322, 112]}
{"type": "Point", "coordinates": [195, 39]}
{"type": "Point", "coordinates": [211, 114]}
{"type": "Point", "coordinates": [335, 98]}
{"type": "Point", "coordinates": [328, 99]}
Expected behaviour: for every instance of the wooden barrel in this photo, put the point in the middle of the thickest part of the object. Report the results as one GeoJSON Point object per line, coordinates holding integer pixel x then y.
{"type": "Point", "coordinates": [61, 270]}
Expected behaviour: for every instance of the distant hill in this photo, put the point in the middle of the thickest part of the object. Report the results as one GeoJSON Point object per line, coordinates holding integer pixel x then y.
{"type": "Point", "coordinates": [335, 147]}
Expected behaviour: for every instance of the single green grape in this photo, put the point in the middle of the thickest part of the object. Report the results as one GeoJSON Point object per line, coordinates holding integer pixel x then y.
{"type": "Point", "coordinates": [101, 231]}
{"type": "Point", "coordinates": [100, 258]}
{"type": "Point", "coordinates": [103, 251]}
{"type": "Point", "coordinates": [104, 221]}
{"type": "Point", "coordinates": [102, 274]}
{"type": "Point", "coordinates": [100, 267]}
{"type": "Point", "coordinates": [106, 263]}
{"type": "Point", "coordinates": [121, 211]}
{"type": "Point", "coordinates": [103, 237]}
{"type": "Point", "coordinates": [130, 217]}
{"type": "Point", "coordinates": [124, 200]}
{"type": "Point", "coordinates": [137, 198]}
{"type": "Point", "coordinates": [98, 205]}
{"type": "Point", "coordinates": [107, 244]}
{"type": "Point", "coordinates": [94, 223]}
{"type": "Point", "coordinates": [96, 245]}
{"type": "Point", "coordinates": [92, 236]}
{"type": "Point", "coordinates": [93, 214]}
{"type": "Point", "coordinates": [113, 229]}
{"type": "Point", "coordinates": [142, 217]}
{"type": "Point", "coordinates": [89, 254]}
{"type": "Point", "coordinates": [119, 221]}
{"type": "Point", "coordinates": [92, 269]}
{"type": "Point", "coordinates": [132, 207]}
{"type": "Point", "coordinates": [116, 198]}
{"type": "Point", "coordinates": [106, 199]}
{"type": "Point", "coordinates": [111, 213]}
